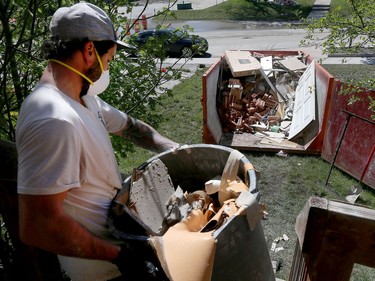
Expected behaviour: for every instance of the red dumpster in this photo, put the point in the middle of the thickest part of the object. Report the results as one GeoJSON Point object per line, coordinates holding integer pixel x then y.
{"type": "Point", "coordinates": [353, 151]}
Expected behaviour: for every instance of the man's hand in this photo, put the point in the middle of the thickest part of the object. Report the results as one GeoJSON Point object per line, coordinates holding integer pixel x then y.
{"type": "Point", "coordinates": [138, 261]}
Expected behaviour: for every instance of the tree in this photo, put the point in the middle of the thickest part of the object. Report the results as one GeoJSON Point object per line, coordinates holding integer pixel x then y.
{"type": "Point", "coordinates": [137, 82]}
{"type": "Point", "coordinates": [351, 31]}
{"type": "Point", "coordinates": [22, 25]}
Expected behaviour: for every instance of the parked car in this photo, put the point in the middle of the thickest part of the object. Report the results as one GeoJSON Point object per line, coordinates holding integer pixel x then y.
{"type": "Point", "coordinates": [175, 41]}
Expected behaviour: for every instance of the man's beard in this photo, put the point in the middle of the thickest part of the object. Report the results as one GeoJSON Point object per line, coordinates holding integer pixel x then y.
{"type": "Point", "coordinates": [93, 73]}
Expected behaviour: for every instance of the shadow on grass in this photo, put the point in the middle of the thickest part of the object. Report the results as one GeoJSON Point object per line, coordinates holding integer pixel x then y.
{"type": "Point", "coordinates": [270, 11]}
{"type": "Point", "coordinates": [247, 10]}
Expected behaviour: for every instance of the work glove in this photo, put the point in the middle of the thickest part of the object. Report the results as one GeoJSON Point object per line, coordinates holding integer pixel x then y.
{"type": "Point", "coordinates": [137, 261]}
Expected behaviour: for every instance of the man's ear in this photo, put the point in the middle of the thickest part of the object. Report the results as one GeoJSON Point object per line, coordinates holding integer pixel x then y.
{"type": "Point", "coordinates": [89, 53]}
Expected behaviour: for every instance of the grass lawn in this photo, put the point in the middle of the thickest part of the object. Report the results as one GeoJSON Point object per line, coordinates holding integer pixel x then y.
{"type": "Point", "coordinates": [248, 10]}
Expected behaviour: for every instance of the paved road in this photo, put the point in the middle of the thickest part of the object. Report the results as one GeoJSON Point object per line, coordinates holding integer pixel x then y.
{"type": "Point", "coordinates": [235, 35]}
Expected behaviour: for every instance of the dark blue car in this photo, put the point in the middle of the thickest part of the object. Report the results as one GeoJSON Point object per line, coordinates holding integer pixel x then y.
{"type": "Point", "coordinates": [175, 42]}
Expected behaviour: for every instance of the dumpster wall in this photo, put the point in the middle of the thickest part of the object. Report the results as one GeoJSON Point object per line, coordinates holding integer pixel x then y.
{"type": "Point", "coordinates": [311, 138]}
{"type": "Point", "coordinates": [355, 154]}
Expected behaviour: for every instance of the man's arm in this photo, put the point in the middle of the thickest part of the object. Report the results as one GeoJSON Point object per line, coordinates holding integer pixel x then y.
{"type": "Point", "coordinates": [145, 136]}
{"type": "Point", "coordinates": [44, 224]}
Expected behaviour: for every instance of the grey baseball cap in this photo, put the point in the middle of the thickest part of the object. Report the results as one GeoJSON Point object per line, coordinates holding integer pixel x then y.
{"type": "Point", "coordinates": [84, 20]}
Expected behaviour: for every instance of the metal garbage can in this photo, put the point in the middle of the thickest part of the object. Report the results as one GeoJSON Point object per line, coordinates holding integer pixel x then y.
{"type": "Point", "coordinates": [241, 251]}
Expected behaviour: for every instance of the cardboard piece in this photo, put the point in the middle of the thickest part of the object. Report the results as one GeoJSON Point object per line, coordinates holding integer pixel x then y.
{"type": "Point", "coordinates": [293, 63]}
{"type": "Point", "coordinates": [242, 63]}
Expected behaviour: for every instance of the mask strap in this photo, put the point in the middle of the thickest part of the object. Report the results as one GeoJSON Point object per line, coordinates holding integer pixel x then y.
{"type": "Point", "coordinates": [74, 70]}
{"type": "Point", "coordinates": [100, 60]}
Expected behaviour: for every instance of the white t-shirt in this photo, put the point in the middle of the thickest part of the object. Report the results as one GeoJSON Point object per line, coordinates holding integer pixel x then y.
{"type": "Point", "coordinates": [63, 145]}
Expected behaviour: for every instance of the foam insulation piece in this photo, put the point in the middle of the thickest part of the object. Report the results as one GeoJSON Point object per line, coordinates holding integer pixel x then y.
{"type": "Point", "coordinates": [150, 194]}
{"type": "Point", "coordinates": [242, 63]}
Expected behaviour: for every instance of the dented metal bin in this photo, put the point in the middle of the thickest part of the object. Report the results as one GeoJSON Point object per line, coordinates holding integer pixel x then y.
{"type": "Point", "coordinates": [241, 251]}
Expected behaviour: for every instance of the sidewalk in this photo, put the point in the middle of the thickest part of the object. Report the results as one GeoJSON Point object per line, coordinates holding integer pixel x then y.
{"type": "Point", "coordinates": [320, 9]}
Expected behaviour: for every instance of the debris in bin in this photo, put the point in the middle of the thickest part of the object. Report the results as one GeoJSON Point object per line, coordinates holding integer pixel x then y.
{"type": "Point", "coordinates": [185, 252]}
{"type": "Point", "coordinates": [190, 219]}
{"type": "Point", "coordinates": [241, 63]}
{"type": "Point", "coordinates": [229, 176]}
{"type": "Point", "coordinates": [267, 63]}
{"type": "Point", "coordinates": [257, 92]}
{"type": "Point", "coordinates": [293, 63]}
{"type": "Point", "coordinates": [213, 185]}
{"type": "Point", "coordinates": [160, 206]}
{"type": "Point", "coordinates": [177, 208]}
{"type": "Point", "coordinates": [199, 200]}
{"type": "Point", "coordinates": [149, 193]}
{"type": "Point", "coordinates": [191, 242]}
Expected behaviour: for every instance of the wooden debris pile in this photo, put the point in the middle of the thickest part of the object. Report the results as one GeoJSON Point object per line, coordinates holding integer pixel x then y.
{"type": "Point", "coordinates": [256, 92]}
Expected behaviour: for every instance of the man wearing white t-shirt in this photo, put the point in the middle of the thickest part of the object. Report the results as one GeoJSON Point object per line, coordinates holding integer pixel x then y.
{"type": "Point", "coordinates": [68, 174]}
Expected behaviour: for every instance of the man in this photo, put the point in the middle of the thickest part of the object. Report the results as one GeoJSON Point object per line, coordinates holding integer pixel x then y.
{"type": "Point", "coordinates": [68, 173]}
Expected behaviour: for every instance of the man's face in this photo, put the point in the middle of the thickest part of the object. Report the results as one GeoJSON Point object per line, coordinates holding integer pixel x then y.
{"type": "Point", "coordinates": [93, 73]}
{"type": "Point", "coordinates": [108, 57]}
